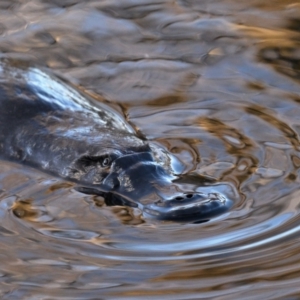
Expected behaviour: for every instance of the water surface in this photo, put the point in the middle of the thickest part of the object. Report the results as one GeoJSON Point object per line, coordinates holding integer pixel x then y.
{"type": "Point", "coordinates": [215, 82]}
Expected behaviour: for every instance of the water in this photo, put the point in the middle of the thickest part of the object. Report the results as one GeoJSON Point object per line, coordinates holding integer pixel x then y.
{"type": "Point", "coordinates": [215, 82]}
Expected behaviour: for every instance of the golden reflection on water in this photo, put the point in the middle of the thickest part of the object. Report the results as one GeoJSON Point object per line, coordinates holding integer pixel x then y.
{"type": "Point", "coordinates": [286, 130]}
{"type": "Point", "coordinates": [23, 210]}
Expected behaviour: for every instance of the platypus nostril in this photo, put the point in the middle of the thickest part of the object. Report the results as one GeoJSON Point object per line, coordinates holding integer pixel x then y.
{"type": "Point", "coordinates": [185, 197]}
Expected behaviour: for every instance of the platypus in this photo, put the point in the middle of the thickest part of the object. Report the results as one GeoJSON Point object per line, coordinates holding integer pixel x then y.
{"type": "Point", "coordinates": [51, 125]}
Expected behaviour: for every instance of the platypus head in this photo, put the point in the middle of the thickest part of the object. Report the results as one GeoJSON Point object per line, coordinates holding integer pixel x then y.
{"type": "Point", "coordinates": [147, 179]}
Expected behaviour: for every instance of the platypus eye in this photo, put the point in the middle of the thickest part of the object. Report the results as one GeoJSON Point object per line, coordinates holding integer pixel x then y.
{"type": "Point", "coordinates": [87, 162]}
{"type": "Point", "coordinates": [106, 162]}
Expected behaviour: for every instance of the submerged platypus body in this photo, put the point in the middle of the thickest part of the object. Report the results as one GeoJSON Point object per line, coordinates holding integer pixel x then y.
{"type": "Point", "coordinates": [48, 124]}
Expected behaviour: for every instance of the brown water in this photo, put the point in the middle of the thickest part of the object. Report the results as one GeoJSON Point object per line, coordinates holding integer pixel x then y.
{"type": "Point", "coordinates": [218, 84]}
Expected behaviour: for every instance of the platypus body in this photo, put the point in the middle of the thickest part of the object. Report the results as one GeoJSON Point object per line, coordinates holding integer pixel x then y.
{"type": "Point", "coordinates": [50, 125]}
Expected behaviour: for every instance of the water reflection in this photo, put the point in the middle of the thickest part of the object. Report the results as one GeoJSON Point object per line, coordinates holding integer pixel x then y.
{"type": "Point", "coordinates": [215, 83]}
